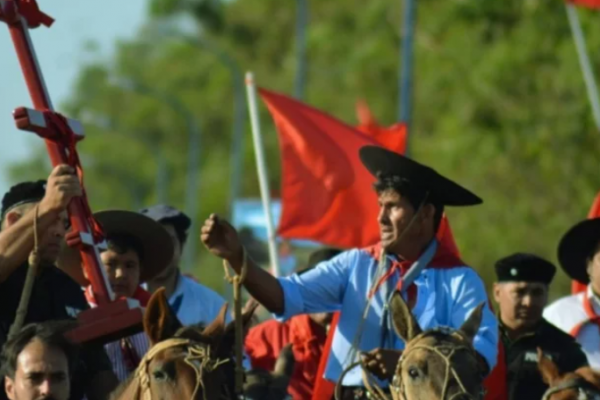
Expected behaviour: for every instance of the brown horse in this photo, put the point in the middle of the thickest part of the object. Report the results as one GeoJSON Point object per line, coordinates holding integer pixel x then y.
{"type": "Point", "coordinates": [187, 363]}
{"type": "Point", "coordinates": [436, 364]}
{"type": "Point", "coordinates": [582, 384]}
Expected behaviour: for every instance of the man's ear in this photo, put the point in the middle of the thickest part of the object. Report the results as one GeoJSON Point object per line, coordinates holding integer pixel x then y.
{"type": "Point", "coordinates": [497, 289]}
{"type": "Point", "coordinates": [12, 217]}
{"type": "Point", "coordinates": [9, 388]}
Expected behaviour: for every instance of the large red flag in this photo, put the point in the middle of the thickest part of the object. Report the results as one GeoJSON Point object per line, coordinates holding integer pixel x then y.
{"type": "Point", "coordinates": [585, 3]}
{"type": "Point", "coordinates": [576, 286]}
{"type": "Point", "coordinates": [325, 190]}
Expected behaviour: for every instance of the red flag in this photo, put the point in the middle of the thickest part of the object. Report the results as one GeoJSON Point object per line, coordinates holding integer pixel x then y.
{"type": "Point", "coordinates": [392, 138]}
{"type": "Point", "coordinates": [324, 184]}
{"type": "Point", "coordinates": [585, 3]}
{"type": "Point", "coordinates": [576, 286]}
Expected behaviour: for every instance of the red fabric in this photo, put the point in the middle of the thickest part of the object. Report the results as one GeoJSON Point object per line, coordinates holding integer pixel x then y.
{"type": "Point", "coordinates": [576, 286]}
{"type": "Point", "coordinates": [393, 137]}
{"type": "Point", "coordinates": [265, 341]}
{"type": "Point", "coordinates": [585, 3]}
{"type": "Point", "coordinates": [32, 14]}
{"type": "Point", "coordinates": [324, 183]}
{"type": "Point", "coordinates": [141, 295]}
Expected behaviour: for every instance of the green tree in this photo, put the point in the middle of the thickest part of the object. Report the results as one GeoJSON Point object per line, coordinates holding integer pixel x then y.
{"type": "Point", "coordinates": [500, 106]}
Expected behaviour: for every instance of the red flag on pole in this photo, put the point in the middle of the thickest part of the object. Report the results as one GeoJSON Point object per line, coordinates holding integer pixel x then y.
{"type": "Point", "coordinates": [585, 3]}
{"type": "Point", "coordinates": [576, 286]}
{"type": "Point", "coordinates": [324, 184]}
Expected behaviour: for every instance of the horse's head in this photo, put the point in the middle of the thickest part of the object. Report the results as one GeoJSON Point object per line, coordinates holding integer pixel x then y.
{"type": "Point", "coordinates": [439, 363]}
{"type": "Point", "coordinates": [583, 384]}
{"type": "Point", "coordinates": [188, 363]}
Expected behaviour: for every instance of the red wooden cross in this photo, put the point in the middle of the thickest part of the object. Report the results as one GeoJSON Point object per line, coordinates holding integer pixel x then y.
{"type": "Point", "coordinates": [112, 319]}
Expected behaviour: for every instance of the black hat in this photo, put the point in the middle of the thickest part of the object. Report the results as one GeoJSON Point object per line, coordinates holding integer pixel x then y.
{"type": "Point", "coordinates": [156, 243]}
{"type": "Point", "coordinates": [23, 193]}
{"type": "Point", "coordinates": [577, 246]}
{"type": "Point", "coordinates": [167, 214]}
{"type": "Point", "coordinates": [441, 190]}
{"type": "Point", "coordinates": [524, 267]}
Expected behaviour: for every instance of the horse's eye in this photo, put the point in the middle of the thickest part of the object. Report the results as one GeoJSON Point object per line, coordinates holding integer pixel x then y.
{"type": "Point", "coordinates": [413, 372]}
{"type": "Point", "coordinates": [160, 375]}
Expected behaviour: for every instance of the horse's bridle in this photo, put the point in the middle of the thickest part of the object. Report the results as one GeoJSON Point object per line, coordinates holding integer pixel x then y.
{"type": "Point", "coordinates": [197, 357]}
{"type": "Point", "coordinates": [585, 390]}
{"type": "Point", "coordinates": [445, 353]}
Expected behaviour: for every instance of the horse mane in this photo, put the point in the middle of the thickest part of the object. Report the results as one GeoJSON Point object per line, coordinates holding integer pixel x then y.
{"type": "Point", "coordinates": [123, 386]}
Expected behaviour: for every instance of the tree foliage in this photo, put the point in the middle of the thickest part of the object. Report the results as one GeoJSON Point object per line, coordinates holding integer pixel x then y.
{"type": "Point", "coordinates": [499, 105]}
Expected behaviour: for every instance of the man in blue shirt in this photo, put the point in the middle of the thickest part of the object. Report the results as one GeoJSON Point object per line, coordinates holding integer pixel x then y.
{"type": "Point", "coordinates": [192, 302]}
{"type": "Point", "coordinates": [440, 288]}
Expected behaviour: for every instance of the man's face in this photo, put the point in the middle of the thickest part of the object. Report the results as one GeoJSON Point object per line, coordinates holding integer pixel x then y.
{"type": "Point", "coordinates": [593, 270]}
{"type": "Point", "coordinates": [521, 303]}
{"type": "Point", "coordinates": [51, 240]}
{"type": "Point", "coordinates": [177, 249]}
{"type": "Point", "coordinates": [123, 271]}
{"type": "Point", "coordinates": [395, 213]}
{"type": "Point", "coordinates": [42, 374]}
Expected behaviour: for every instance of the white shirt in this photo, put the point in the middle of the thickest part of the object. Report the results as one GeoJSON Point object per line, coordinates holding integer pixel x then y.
{"type": "Point", "coordinates": [568, 312]}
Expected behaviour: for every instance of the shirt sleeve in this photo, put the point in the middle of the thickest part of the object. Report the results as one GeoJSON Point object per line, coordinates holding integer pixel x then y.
{"type": "Point", "coordinates": [574, 358]}
{"type": "Point", "coordinates": [468, 291]}
{"type": "Point", "coordinates": [318, 290]}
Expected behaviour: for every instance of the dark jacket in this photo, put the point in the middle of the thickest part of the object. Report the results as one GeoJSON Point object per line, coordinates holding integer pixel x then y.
{"type": "Point", "coordinates": [524, 381]}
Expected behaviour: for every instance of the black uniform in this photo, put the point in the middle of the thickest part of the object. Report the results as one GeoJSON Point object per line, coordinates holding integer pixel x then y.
{"type": "Point", "coordinates": [55, 296]}
{"type": "Point", "coordinates": [524, 381]}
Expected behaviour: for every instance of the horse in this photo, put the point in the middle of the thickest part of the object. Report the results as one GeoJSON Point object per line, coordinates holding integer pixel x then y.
{"type": "Point", "coordinates": [189, 363]}
{"type": "Point", "coordinates": [582, 384]}
{"type": "Point", "coordinates": [440, 363]}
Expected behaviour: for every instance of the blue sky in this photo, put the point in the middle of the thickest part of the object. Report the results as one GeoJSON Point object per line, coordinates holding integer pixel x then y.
{"type": "Point", "coordinates": [60, 51]}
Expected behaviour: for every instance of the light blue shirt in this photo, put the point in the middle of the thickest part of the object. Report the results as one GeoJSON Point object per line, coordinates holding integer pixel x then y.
{"type": "Point", "coordinates": [445, 297]}
{"type": "Point", "coordinates": [196, 304]}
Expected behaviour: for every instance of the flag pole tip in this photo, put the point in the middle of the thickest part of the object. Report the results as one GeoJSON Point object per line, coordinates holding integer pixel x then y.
{"type": "Point", "coordinates": [249, 78]}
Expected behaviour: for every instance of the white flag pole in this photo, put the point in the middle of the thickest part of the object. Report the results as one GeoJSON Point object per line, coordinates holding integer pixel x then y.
{"type": "Point", "coordinates": [262, 172]}
{"type": "Point", "coordinates": [584, 61]}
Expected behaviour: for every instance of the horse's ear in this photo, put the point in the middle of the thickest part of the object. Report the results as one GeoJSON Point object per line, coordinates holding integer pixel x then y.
{"type": "Point", "coordinates": [284, 366]}
{"type": "Point", "coordinates": [160, 322]}
{"type": "Point", "coordinates": [589, 375]}
{"type": "Point", "coordinates": [282, 373]}
{"type": "Point", "coordinates": [405, 324]}
{"type": "Point", "coordinates": [217, 327]}
{"type": "Point", "coordinates": [547, 368]}
{"type": "Point", "coordinates": [228, 340]}
{"type": "Point", "coordinates": [470, 327]}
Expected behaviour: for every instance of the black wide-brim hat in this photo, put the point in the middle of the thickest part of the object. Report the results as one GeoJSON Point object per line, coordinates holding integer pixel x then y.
{"type": "Point", "coordinates": [441, 189]}
{"type": "Point", "coordinates": [156, 243]}
{"type": "Point", "coordinates": [576, 246]}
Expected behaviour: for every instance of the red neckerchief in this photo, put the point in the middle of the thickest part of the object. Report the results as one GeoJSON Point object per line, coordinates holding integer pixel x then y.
{"type": "Point", "coordinates": [443, 258]}
{"type": "Point", "coordinates": [592, 317]}
{"type": "Point", "coordinates": [130, 356]}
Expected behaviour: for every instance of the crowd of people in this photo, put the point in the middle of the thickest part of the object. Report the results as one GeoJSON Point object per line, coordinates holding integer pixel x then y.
{"type": "Point", "coordinates": [143, 254]}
